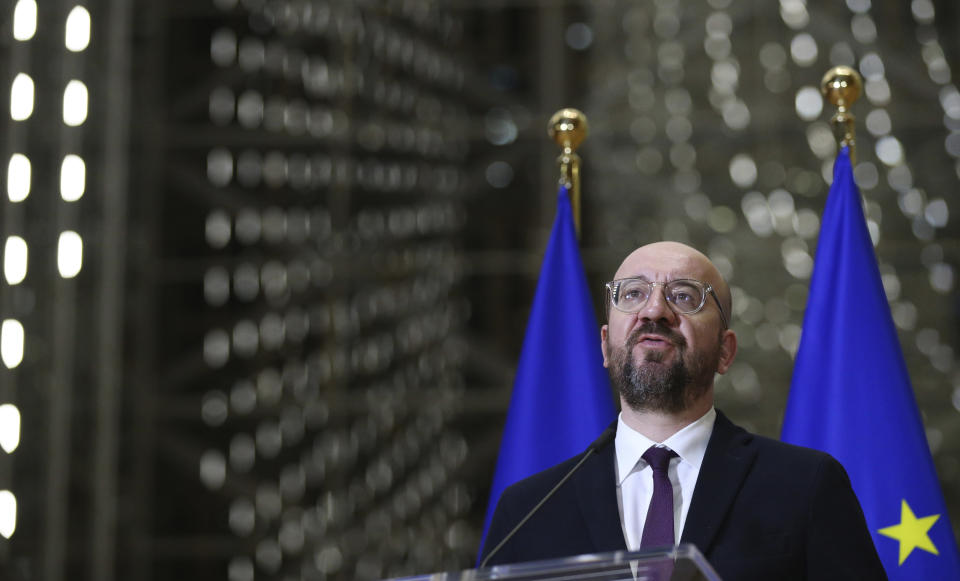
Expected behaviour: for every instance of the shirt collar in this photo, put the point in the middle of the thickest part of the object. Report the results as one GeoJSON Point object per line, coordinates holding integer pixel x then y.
{"type": "Point", "coordinates": [690, 443]}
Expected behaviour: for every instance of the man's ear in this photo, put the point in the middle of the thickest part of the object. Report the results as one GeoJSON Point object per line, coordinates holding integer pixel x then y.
{"type": "Point", "coordinates": [728, 351]}
{"type": "Point", "coordinates": [603, 345]}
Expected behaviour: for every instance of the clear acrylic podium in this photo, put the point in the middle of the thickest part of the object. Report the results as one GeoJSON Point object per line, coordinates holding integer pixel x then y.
{"type": "Point", "coordinates": [681, 563]}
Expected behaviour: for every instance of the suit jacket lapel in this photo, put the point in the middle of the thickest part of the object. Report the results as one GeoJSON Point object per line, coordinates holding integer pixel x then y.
{"type": "Point", "coordinates": [597, 498]}
{"type": "Point", "coordinates": [728, 458]}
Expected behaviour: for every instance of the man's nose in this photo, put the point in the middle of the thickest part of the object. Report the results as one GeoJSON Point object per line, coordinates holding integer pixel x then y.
{"type": "Point", "coordinates": [657, 308]}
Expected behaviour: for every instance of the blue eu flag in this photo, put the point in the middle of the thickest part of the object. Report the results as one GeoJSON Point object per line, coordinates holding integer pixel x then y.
{"type": "Point", "coordinates": [851, 396]}
{"type": "Point", "coordinates": [561, 397]}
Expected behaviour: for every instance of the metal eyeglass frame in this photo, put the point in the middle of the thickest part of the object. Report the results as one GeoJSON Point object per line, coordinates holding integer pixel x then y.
{"type": "Point", "coordinates": [613, 288]}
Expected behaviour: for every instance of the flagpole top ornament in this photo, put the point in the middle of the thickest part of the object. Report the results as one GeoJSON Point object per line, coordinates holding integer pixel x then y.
{"type": "Point", "coordinates": [842, 86]}
{"type": "Point", "coordinates": [568, 128]}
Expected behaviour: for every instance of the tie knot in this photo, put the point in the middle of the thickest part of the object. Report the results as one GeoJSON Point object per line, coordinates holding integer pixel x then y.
{"type": "Point", "coordinates": [658, 457]}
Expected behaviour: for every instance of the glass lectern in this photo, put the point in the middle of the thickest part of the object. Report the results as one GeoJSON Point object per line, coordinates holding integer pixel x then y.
{"type": "Point", "coordinates": [681, 563]}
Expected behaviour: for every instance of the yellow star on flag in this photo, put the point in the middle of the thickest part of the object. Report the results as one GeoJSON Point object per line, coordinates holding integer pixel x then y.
{"type": "Point", "coordinates": [911, 532]}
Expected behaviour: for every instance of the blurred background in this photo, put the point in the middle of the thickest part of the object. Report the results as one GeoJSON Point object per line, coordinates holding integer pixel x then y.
{"type": "Point", "coordinates": [268, 263]}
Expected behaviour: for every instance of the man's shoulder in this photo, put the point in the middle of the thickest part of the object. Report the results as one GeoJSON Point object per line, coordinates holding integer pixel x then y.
{"type": "Point", "coordinates": [780, 448]}
{"type": "Point", "coordinates": [793, 459]}
{"type": "Point", "coordinates": [770, 450]}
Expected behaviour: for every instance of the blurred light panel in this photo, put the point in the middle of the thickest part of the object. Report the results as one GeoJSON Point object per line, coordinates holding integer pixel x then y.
{"type": "Point", "coordinates": [18, 178]}
{"type": "Point", "coordinates": [78, 29]}
{"type": "Point", "coordinates": [73, 178]}
{"type": "Point", "coordinates": [11, 343]}
{"type": "Point", "coordinates": [15, 260]}
{"type": "Point", "coordinates": [69, 254]}
{"type": "Point", "coordinates": [8, 513]}
{"type": "Point", "coordinates": [75, 103]}
{"type": "Point", "coordinates": [25, 20]}
{"type": "Point", "coordinates": [9, 427]}
{"type": "Point", "coordinates": [21, 97]}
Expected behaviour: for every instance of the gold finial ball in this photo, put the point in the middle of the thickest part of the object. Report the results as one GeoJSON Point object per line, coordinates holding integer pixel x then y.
{"type": "Point", "coordinates": [841, 86]}
{"type": "Point", "coordinates": [568, 127]}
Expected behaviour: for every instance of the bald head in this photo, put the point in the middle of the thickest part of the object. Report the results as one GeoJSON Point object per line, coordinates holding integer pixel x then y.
{"type": "Point", "coordinates": [676, 260]}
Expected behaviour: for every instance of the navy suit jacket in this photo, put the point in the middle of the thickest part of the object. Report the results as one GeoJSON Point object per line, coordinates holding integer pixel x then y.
{"type": "Point", "coordinates": [761, 509]}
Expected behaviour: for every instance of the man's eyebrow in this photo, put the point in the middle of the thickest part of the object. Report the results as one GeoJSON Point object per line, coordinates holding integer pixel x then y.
{"type": "Point", "coordinates": [670, 278]}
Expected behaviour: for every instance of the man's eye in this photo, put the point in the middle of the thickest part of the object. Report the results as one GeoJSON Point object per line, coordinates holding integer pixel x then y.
{"type": "Point", "coordinates": [686, 298]}
{"type": "Point", "coordinates": [633, 295]}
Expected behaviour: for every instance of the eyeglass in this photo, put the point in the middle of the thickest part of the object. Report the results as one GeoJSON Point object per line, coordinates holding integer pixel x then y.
{"type": "Point", "coordinates": [685, 295]}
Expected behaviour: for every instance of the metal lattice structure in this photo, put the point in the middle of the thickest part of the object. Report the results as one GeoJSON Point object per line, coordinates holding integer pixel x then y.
{"type": "Point", "coordinates": [315, 164]}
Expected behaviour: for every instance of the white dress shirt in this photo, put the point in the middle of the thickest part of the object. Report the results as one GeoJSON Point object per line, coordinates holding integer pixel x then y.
{"type": "Point", "coordinates": [635, 477]}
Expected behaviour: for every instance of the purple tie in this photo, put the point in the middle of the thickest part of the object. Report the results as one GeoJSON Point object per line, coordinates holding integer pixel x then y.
{"type": "Point", "coordinates": [658, 530]}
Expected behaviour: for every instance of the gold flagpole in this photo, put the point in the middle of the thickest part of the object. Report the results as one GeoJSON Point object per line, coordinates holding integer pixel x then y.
{"type": "Point", "coordinates": [568, 128]}
{"type": "Point", "coordinates": [842, 87]}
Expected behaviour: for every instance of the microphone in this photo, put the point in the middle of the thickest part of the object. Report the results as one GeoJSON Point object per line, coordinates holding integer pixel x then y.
{"type": "Point", "coordinates": [600, 442]}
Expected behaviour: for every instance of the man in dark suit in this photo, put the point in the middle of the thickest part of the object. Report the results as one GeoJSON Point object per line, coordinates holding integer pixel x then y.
{"type": "Point", "coordinates": [678, 470]}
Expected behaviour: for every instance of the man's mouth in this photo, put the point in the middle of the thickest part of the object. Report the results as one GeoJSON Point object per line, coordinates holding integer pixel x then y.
{"type": "Point", "coordinates": [654, 342]}
{"type": "Point", "coordinates": [655, 338]}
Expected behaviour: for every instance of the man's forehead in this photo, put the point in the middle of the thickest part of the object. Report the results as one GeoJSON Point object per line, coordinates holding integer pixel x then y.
{"type": "Point", "coordinates": [665, 261]}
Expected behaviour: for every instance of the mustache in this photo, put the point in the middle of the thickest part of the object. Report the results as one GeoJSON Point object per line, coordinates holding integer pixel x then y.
{"type": "Point", "coordinates": [655, 328]}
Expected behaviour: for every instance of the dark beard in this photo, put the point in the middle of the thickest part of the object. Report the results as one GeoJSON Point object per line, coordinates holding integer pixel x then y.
{"type": "Point", "coordinates": [651, 386]}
